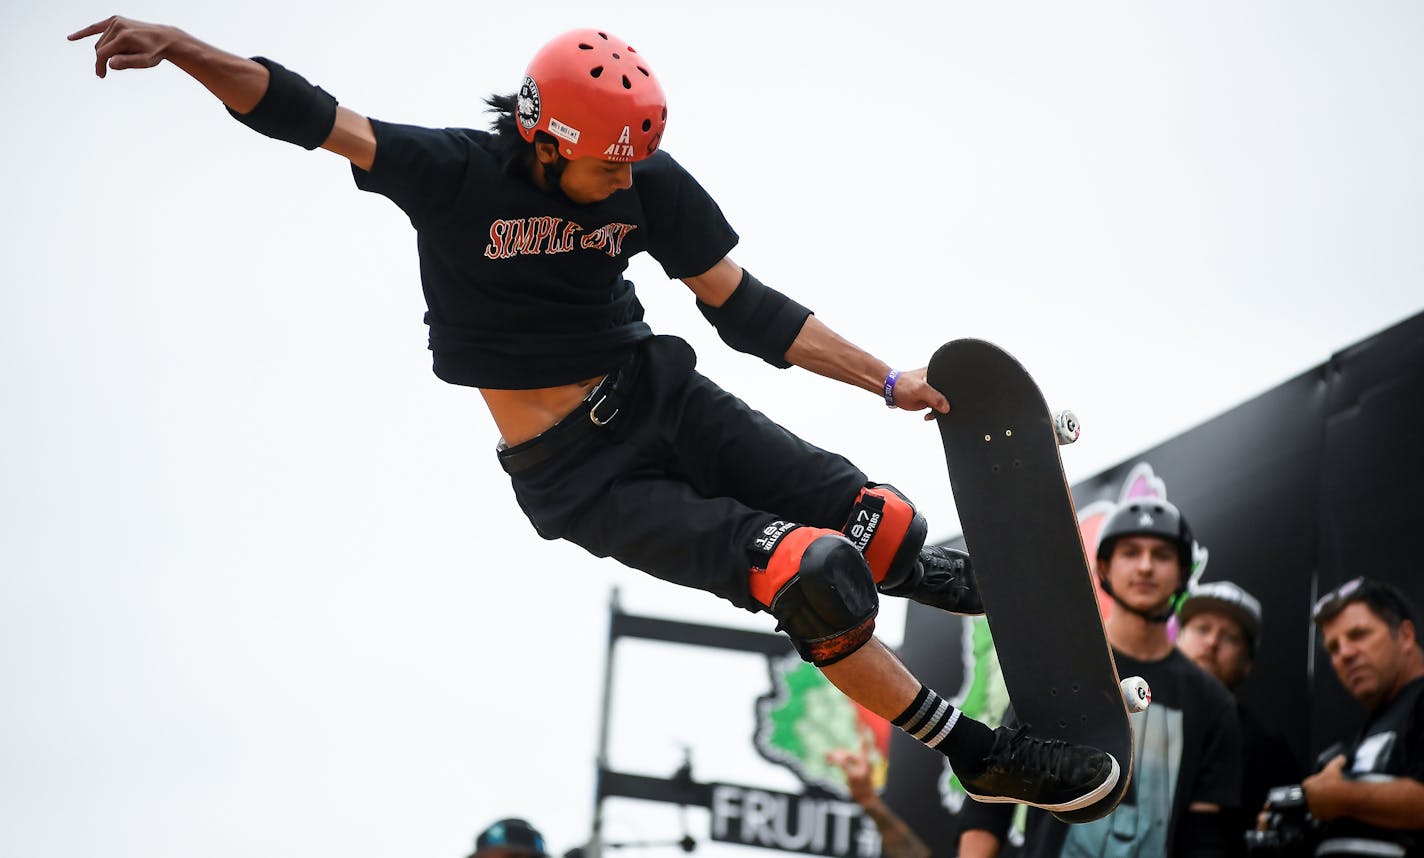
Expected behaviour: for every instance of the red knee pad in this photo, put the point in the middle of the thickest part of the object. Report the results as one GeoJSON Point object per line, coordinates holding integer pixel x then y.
{"type": "Point", "coordinates": [885, 527]}
{"type": "Point", "coordinates": [817, 586]}
{"type": "Point", "coordinates": [778, 550]}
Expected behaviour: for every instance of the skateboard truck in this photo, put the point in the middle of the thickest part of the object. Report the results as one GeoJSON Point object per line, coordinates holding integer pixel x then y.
{"type": "Point", "coordinates": [1136, 694]}
{"type": "Point", "coordinates": [1065, 424]}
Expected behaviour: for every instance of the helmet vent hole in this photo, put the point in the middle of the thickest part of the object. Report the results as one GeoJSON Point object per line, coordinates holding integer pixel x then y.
{"type": "Point", "coordinates": [644, 71]}
{"type": "Point", "coordinates": [627, 84]}
{"type": "Point", "coordinates": [615, 56]}
{"type": "Point", "coordinates": [665, 114]}
{"type": "Point", "coordinates": [595, 71]}
{"type": "Point", "coordinates": [647, 125]}
{"type": "Point", "coordinates": [603, 36]}
{"type": "Point", "coordinates": [585, 47]}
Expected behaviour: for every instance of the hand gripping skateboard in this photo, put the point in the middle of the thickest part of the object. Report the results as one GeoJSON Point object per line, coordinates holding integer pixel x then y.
{"type": "Point", "coordinates": [1001, 446]}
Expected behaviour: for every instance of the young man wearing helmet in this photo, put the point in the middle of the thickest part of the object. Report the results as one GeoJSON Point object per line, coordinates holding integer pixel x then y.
{"type": "Point", "coordinates": [1187, 744]}
{"type": "Point", "coordinates": [611, 439]}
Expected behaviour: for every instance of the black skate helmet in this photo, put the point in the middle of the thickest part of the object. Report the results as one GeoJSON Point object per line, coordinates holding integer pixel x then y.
{"type": "Point", "coordinates": [1148, 517]}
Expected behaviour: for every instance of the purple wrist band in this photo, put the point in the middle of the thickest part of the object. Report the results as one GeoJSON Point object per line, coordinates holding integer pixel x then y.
{"type": "Point", "coordinates": [890, 387]}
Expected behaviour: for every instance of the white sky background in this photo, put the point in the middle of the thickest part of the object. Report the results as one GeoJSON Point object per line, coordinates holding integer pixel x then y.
{"type": "Point", "coordinates": [263, 587]}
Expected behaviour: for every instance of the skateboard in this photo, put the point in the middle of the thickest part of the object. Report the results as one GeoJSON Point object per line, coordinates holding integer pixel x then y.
{"type": "Point", "coordinates": [1001, 445]}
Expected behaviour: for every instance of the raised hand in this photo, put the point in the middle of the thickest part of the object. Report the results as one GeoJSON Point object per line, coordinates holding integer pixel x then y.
{"type": "Point", "coordinates": [856, 765]}
{"type": "Point", "coordinates": [127, 44]}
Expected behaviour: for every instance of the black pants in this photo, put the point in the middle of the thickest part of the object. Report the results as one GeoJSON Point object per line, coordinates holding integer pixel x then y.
{"type": "Point", "coordinates": [677, 484]}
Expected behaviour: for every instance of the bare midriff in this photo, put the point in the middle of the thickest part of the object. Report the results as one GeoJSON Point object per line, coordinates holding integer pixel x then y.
{"type": "Point", "coordinates": [524, 414]}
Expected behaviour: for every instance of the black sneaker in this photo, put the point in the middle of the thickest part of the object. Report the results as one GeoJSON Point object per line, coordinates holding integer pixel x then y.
{"type": "Point", "coordinates": [1046, 773]}
{"type": "Point", "coordinates": [944, 579]}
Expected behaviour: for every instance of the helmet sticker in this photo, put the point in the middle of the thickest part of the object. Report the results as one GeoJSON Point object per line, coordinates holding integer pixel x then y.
{"type": "Point", "coordinates": [623, 149]}
{"type": "Point", "coordinates": [559, 129]}
{"type": "Point", "coordinates": [527, 104]}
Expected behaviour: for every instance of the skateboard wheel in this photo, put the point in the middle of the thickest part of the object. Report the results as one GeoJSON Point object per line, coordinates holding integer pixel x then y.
{"type": "Point", "coordinates": [1136, 694]}
{"type": "Point", "coordinates": [1065, 423]}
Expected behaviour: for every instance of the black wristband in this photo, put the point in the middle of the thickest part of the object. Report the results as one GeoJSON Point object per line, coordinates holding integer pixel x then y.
{"type": "Point", "coordinates": [758, 320]}
{"type": "Point", "coordinates": [292, 109]}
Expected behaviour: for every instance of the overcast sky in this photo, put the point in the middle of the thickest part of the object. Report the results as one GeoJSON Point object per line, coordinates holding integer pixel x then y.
{"type": "Point", "coordinates": [263, 587]}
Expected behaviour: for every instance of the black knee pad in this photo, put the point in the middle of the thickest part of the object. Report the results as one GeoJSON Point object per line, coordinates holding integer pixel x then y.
{"type": "Point", "coordinates": [887, 529]}
{"type": "Point", "coordinates": [828, 606]}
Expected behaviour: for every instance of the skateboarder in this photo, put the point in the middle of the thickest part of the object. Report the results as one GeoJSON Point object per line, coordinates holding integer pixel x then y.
{"type": "Point", "coordinates": [611, 438]}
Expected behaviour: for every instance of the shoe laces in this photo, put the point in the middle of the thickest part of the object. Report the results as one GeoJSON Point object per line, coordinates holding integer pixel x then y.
{"type": "Point", "coordinates": [1025, 753]}
{"type": "Point", "coordinates": [938, 560]}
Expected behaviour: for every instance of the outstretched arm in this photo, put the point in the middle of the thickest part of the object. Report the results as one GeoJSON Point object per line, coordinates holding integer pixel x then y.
{"type": "Point", "coordinates": [824, 352]}
{"type": "Point", "coordinates": [896, 838]}
{"type": "Point", "coordinates": [818, 348]}
{"type": "Point", "coordinates": [238, 82]}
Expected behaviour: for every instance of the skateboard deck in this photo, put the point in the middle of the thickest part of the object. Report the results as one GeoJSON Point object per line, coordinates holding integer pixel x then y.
{"type": "Point", "coordinates": [1022, 534]}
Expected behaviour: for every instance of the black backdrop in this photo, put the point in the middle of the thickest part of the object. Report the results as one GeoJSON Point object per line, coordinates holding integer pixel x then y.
{"type": "Point", "coordinates": [1310, 484]}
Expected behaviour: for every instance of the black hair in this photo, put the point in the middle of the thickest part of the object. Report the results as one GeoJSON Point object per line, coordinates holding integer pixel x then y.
{"type": "Point", "coordinates": [1384, 601]}
{"type": "Point", "coordinates": [507, 142]}
{"type": "Point", "coordinates": [508, 145]}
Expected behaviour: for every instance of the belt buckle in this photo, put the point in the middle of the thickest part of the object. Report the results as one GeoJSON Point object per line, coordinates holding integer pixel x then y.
{"type": "Point", "coordinates": [593, 412]}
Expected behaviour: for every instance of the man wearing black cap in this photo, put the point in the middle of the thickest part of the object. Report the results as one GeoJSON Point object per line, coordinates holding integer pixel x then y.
{"type": "Point", "coordinates": [1221, 631]}
{"type": "Point", "coordinates": [510, 838]}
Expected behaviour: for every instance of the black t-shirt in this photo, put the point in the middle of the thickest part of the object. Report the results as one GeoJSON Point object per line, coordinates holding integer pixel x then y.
{"type": "Point", "coordinates": [1268, 761]}
{"type": "Point", "coordinates": [1187, 749]}
{"type": "Point", "coordinates": [525, 289]}
{"type": "Point", "coordinates": [1391, 745]}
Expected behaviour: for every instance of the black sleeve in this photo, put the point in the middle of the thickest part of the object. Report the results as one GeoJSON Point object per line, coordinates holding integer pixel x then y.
{"type": "Point", "coordinates": [1201, 835]}
{"type": "Point", "coordinates": [1219, 781]}
{"type": "Point", "coordinates": [419, 169]}
{"type": "Point", "coordinates": [1414, 743]}
{"type": "Point", "coordinates": [687, 233]}
{"type": "Point", "coordinates": [993, 818]}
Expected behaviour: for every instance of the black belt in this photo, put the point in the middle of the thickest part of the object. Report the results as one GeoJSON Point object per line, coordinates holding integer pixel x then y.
{"type": "Point", "coordinates": [596, 411]}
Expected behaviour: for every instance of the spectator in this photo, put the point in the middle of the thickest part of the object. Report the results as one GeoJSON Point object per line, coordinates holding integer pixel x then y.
{"type": "Point", "coordinates": [510, 838]}
{"type": "Point", "coordinates": [1187, 765]}
{"type": "Point", "coordinates": [1371, 797]}
{"type": "Point", "coordinates": [1221, 632]}
{"type": "Point", "coordinates": [896, 838]}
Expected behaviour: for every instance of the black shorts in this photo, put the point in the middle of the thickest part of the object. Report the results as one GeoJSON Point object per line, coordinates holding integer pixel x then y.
{"type": "Point", "coordinates": [679, 481]}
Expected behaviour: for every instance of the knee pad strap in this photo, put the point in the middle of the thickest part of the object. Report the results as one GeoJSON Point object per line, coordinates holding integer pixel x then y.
{"type": "Point", "coordinates": [887, 529]}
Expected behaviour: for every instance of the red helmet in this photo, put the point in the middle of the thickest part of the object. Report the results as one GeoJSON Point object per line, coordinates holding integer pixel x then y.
{"type": "Point", "coordinates": [595, 95]}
